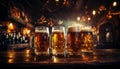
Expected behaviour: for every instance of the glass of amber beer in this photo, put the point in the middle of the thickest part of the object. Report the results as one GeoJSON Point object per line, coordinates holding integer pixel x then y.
{"type": "Point", "coordinates": [58, 40]}
{"type": "Point", "coordinates": [41, 40]}
{"type": "Point", "coordinates": [87, 42]}
{"type": "Point", "coordinates": [73, 40]}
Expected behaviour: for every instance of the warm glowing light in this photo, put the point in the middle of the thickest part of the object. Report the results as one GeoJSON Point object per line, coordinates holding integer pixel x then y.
{"type": "Point", "coordinates": [8, 31]}
{"type": "Point", "coordinates": [11, 54]}
{"type": "Point", "coordinates": [107, 36]}
{"type": "Point", "coordinates": [114, 3]}
{"type": "Point", "coordinates": [27, 51]}
{"type": "Point", "coordinates": [57, 0]}
{"type": "Point", "coordinates": [10, 26]}
{"type": "Point", "coordinates": [109, 16]}
{"type": "Point", "coordinates": [89, 18]}
{"type": "Point", "coordinates": [26, 31]}
{"type": "Point", "coordinates": [54, 52]}
{"type": "Point", "coordinates": [94, 12]}
{"type": "Point", "coordinates": [27, 55]}
{"type": "Point", "coordinates": [10, 60]}
{"type": "Point", "coordinates": [55, 59]}
{"type": "Point", "coordinates": [78, 18]}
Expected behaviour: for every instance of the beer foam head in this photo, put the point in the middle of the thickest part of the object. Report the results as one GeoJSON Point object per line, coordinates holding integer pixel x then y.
{"type": "Point", "coordinates": [58, 31]}
{"type": "Point", "coordinates": [37, 29]}
{"type": "Point", "coordinates": [87, 28]}
{"type": "Point", "coordinates": [74, 28]}
{"type": "Point", "coordinates": [44, 31]}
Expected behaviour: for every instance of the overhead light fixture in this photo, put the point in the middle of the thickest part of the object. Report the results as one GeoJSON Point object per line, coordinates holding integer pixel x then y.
{"type": "Point", "coordinates": [78, 18]}
{"type": "Point", "coordinates": [94, 12]}
{"type": "Point", "coordinates": [89, 18]}
{"type": "Point", "coordinates": [114, 3]}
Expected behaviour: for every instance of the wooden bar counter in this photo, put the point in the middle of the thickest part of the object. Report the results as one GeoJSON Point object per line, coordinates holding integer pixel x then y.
{"type": "Point", "coordinates": [100, 58]}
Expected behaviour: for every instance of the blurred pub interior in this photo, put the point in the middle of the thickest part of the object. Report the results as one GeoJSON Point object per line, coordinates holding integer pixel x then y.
{"type": "Point", "coordinates": [18, 19]}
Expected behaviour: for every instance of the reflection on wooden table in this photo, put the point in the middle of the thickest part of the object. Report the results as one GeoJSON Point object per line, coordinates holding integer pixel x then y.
{"type": "Point", "coordinates": [28, 56]}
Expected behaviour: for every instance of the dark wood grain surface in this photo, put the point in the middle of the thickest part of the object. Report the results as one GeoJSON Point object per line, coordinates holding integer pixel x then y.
{"type": "Point", "coordinates": [26, 58]}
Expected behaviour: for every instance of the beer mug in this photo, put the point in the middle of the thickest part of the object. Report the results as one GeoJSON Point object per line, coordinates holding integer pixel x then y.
{"type": "Point", "coordinates": [58, 40]}
{"type": "Point", "coordinates": [41, 40]}
{"type": "Point", "coordinates": [73, 40]}
{"type": "Point", "coordinates": [87, 42]}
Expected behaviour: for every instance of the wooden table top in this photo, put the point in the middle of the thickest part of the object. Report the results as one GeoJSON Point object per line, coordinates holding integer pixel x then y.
{"type": "Point", "coordinates": [27, 58]}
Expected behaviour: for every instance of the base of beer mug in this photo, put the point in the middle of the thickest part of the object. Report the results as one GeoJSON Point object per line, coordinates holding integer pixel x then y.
{"type": "Point", "coordinates": [41, 53]}
{"type": "Point", "coordinates": [58, 54]}
{"type": "Point", "coordinates": [74, 54]}
{"type": "Point", "coordinates": [87, 51]}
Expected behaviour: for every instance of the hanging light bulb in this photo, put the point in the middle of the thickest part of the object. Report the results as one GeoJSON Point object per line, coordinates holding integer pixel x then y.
{"type": "Point", "coordinates": [10, 26]}
{"type": "Point", "coordinates": [89, 18]}
{"type": "Point", "coordinates": [114, 3]}
{"type": "Point", "coordinates": [78, 18]}
{"type": "Point", "coordinates": [57, 0]}
{"type": "Point", "coordinates": [94, 12]}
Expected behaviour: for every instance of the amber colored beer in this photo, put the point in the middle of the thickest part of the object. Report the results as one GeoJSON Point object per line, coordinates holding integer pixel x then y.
{"type": "Point", "coordinates": [73, 40]}
{"type": "Point", "coordinates": [58, 42]}
{"type": "Point", "coordinates": [87, 42]}
{"type": "Point", "coordinates": [41, 42]}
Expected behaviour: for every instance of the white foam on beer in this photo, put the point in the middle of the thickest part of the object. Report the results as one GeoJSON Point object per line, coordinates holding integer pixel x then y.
{"type": "Point", "coordinates": [86, 28]}
{"type": "Point", "coordinates": [58, 31]}
{"type": "Point", "coordinates": [43, 31]}
{"type": "Point", "coordinates": [74, 28]}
